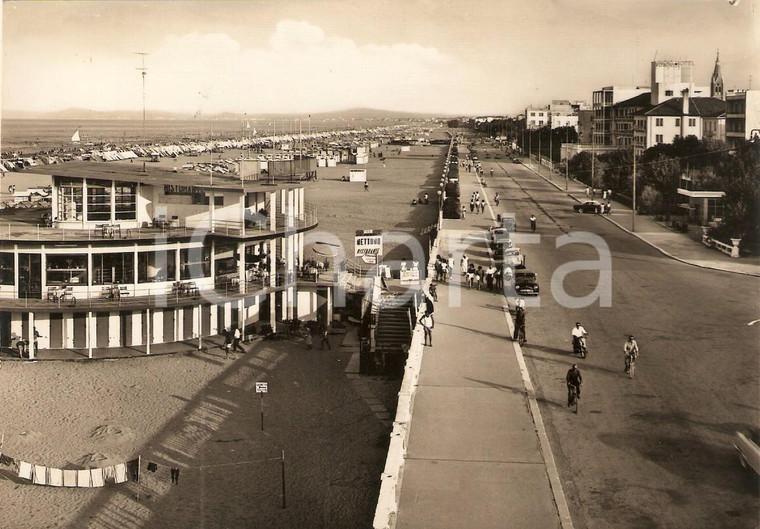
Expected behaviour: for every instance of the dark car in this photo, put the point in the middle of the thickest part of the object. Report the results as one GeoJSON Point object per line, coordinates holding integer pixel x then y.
{"type": "Point", "coordinates": [589, 206]}
{"type": "Point", "coordinates": [526, 283]}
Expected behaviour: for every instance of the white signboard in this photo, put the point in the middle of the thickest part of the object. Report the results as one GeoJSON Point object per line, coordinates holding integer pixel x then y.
{"type": "Point", "coordinates": [410, 276]}
{"type": "Point", "coordinates": [357, 175]}
{"type": "Point", "coordinates": [368, 244]}
{"type": "Point", "coordinates": [262, 387]}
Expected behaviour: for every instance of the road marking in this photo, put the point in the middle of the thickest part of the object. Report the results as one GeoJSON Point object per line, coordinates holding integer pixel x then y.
{"type": "Point", "coordinates": [551, 467]}
{"type": "Point", "coordinates": [753, 322]}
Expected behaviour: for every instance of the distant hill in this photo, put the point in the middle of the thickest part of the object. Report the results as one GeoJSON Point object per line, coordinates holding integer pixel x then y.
{"type": "Point", "coordinates": [81, 113]}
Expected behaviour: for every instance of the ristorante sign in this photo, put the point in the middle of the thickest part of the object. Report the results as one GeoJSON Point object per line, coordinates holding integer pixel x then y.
{"type": "Point", "coordinates": [368, 244]}
{"type": "Point", "coordinates": [182, 190]}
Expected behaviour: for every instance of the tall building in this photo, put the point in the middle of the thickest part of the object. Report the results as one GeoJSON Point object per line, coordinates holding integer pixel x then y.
{"type": "Point", "coordinates": [742, 116]}
{"type": "Point", "coordinates": [536, 117]}
{"type": "Point", "coordinates": [671, 78]}
{"type": "Point", "coordinates": [602, 102]}
{"type": "Point", "coordinates": [716, 82]}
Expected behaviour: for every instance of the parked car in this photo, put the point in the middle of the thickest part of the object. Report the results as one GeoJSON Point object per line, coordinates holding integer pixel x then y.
{"type": "Point", "coordinates": [499, 237]}
{"type": "Point", "coordinates": [747, 445]}
{"type": "Point", "coordinates": [515, 160]}
{"type": "Point", "coordinates": [512, 257]}
{"type": "Point", "coordinates": [526, 283]}
{"type": "Point", "coordinates": [589, 206]}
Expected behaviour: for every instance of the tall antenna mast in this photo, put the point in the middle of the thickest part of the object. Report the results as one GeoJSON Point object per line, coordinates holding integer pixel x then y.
{"type": "Point", "coordinates": [144, 71]}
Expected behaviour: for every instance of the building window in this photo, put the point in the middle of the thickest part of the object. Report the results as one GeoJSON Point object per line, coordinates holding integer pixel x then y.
{"type": "Point", "coordinates": [98, 200]}
{"type": "Point", "coordinates": [658, 138]}
{"type": "Point", "coordinates": [66, 269]}
{"type": "Point", "coordinates": [153, 267]}
{"type": "Point", "coordinates": [692, 122]}
{"type": "Point", "coordinates": [195, 263]}
{"type": "Point", "coordinates": [126, 200]}
{"type": "Point", "coordinates": [678, 122]}
{"type": "Point", "coordinates": [110, 268]}
{"type": "Point", "coordinates": [6, 269]}
{"type": "Point", "coordinates": [70, 199]}
{"type": "Point", "coordinates": [225, 259]}
{"type": "Point", "coordinates": [658, 122]}
{"type": "Point", "coordinates": [669, 93]}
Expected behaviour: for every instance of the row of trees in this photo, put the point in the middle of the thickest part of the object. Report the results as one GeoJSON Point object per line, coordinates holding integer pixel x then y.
{"type": "Point", "coordinates": [708, 164]}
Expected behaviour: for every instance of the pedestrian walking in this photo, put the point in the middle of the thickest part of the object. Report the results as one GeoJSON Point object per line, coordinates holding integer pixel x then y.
{"type": "Point", "coordinates": [472, 205]}
{"type": "Point", "coordinates": [427, 326]}
{"type": "Point", "coordinates": [479, 273]}
{"type": "Point", "coordinates": [451, 265]}
{"type": "Point", "coordinates": [366, 186]}
{"type": "Point", "coordinates": [438, 268]}
{"type": "Point", "coordinates": [608, 209]}
{"type": "Point", "coordinates": [236, 336]}
{"type": "Point", "coordinates": [609, 194]}
{"type": "Point", "coordinates": [490, 271]}
{"type": "Point", "coordinates": [588, 192]}
{"type": "Point", "coordinates": [463, 213]}
{"type": "Point", "coordinates": [464, 264]}
{"type": "Point", "coordinates": [227, 343]}
{"type": "Point", "coordinates": [533, 223]}
{"type": "Point", "coordinates": [604, 195]}
{"type": "Point", "coordinates": [325, 339]}
{"type": "Point", "coordinates": [499, 280]}
{"type": "Point", "coordinates": [482, 205]}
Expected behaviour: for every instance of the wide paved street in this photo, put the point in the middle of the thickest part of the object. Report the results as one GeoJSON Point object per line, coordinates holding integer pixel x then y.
{"type": "Point", "coordinates": [655, 451]}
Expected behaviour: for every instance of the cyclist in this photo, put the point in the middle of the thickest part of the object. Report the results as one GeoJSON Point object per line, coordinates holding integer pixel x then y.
{"type": "Point", "coordinates": [520, 323]}
{"type": "Point", "coordinates": [579, 336]}
{"type": "Point", "coordinates": [574, 380]}
{"type": "Point", "coordinates": [631, 350]}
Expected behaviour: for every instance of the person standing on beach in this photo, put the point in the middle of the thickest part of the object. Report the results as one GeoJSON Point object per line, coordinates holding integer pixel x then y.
{"type": "Point", "coordinates": [236, 335]}
{"type": "Point", "coordinates": [325, 339]}
{"type": "Point", "coordinates": [227, 343]}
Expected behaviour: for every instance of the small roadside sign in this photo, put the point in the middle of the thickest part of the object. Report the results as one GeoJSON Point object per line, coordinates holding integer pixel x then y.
{"type": "Point", "coordinates": [262, 387]}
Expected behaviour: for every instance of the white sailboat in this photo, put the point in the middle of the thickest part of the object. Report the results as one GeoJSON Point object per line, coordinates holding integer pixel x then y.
{"type": "Point", "coordinates": [75, 137]}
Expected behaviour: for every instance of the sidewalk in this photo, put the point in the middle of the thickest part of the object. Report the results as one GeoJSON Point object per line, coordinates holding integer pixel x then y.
{"type": "Point", "coordinates": [675, 245]}
{"type": "Point", "coordinates": [477, 454]}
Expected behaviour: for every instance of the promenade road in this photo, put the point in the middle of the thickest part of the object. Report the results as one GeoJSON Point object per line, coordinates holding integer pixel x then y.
{"type": "Point", "coordinates": [474, 457]}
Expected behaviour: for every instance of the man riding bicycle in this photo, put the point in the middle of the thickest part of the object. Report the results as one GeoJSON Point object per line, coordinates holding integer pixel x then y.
{"type": "Point", "coordinates": [574, 380]}
{"type": "Point", "coordinates": [631, 350]}
{"type": "Point", "coordinates": [520, 324]}
{"type": "Point", "coordinates": [579, 336]}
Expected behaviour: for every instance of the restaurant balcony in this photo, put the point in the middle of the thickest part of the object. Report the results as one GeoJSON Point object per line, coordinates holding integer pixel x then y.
{"type": "Point", "coordinates": [113, 298]}
{"type": "Point", "coordinates": [161, 229]}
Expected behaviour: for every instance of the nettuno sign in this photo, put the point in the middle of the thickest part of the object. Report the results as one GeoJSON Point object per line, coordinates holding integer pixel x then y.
{"type": "Point", "coordinates": [368, 244]}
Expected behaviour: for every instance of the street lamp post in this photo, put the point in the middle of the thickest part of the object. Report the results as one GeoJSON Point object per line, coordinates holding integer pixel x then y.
{"type": "Point", "coordinates": [567, 157]}
{"type": "Point", "coordinates": [633, 210]}
{"type": "Point", "coordinates": [539, 150]}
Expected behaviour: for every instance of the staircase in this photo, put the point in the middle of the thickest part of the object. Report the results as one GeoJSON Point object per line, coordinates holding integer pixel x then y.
{"type": "Point", "coordinates": [395, 317]}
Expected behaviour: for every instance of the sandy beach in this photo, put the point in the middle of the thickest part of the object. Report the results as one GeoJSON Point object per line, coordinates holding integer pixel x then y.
{"type": "Point", "coordinates": [200, 413]}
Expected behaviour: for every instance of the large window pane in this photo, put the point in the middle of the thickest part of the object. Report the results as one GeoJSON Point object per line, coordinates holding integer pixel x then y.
{"type": "Point", "coordinates": [70, 199]}
{"type": "Point", "coordinates": [225, 261]}
{"type": "Point", "coordinates": [6, 269]}
{"type": "Point", "coordinates": [195, 262]}
{"type": "Point", "coordinates": [66, 269]}
{"type": "Point", "coordinates": [156, 266]}
{"type": "Point", "coordinates": [98, 200]}
{"type": "Point", "coordinates": [126, 201]}
{"type": "Point", "coordinates": [110, 268]}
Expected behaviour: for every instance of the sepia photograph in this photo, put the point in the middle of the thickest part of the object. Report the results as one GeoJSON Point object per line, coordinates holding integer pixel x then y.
{"type": "Point", "coordinates": [272, 265]}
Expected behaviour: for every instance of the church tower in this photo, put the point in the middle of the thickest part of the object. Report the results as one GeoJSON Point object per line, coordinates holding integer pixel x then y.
{"type": "Point", "coordinates": [716, 83]}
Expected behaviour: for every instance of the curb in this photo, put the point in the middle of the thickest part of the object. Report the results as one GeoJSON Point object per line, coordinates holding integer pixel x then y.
{"type": "Point", "coordinates": [639, 237]}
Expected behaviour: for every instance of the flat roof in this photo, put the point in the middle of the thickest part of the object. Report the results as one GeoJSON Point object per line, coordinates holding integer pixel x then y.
{"type": "Point", "coordinates": [156, 176]}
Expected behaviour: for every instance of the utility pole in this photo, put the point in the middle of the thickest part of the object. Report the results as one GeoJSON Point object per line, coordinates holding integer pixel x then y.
{"type": "Point", "coordinates": [567, 157]}
{"type": "Point", "coordinates": [551, 154]}
{"type": "Point", "coordinates": [539, 149]}
{"type": "Point", "coordinates": [633, 211]}
{"type": "Point", "coordinates": [144, 71]}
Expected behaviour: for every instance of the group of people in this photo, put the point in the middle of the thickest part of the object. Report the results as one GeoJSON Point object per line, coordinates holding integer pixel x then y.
{"type": "Point", "coordinates": [574, 378]}
{"type": "Point", "coordinates": [425, 199]}
{"type": "Point", "coordinates": [443, 268]}
{"type": "Point", "coordinates": [232, 337]}
{"type": "Point", "coordinates": [477, 204]}
{"type": "Point", "coordinates": [484, 278]}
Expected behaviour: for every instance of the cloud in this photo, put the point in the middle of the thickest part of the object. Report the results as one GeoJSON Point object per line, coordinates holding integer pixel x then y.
{"type": "Point", "coordinates": [298, 69]}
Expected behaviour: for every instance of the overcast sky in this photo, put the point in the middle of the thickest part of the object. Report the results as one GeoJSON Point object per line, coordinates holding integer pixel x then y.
{"type": "Point", "coordinates": [299, 56]}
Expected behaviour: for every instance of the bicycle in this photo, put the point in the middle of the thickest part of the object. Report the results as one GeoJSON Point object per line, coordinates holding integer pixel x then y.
{"type": "Point", "coordinates": [574, 397]}
{"type": "Point", "coordinates": [630, 364]}
{"type": "Point", "coordinates": [521, 336]}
